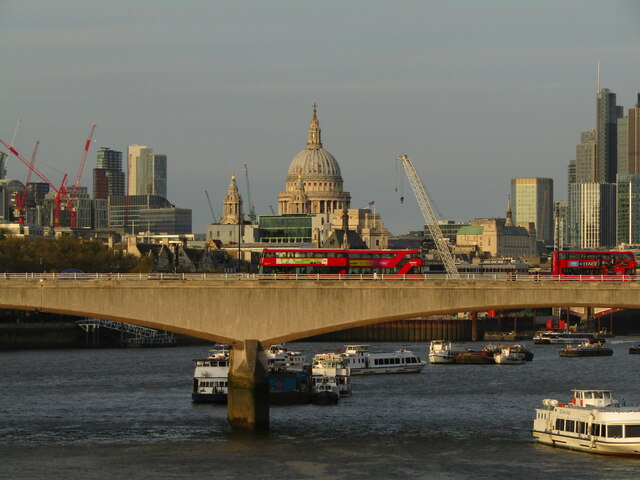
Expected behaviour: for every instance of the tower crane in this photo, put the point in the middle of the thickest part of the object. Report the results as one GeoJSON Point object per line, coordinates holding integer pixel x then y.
{"type": "Point", "coordinates": [429, 216]}
{"type": "Point", "coordinates": [61, 193]}
{"type": "Point", "coordinates": [210, 206]}
{"type": "Point", "coordinates": [21, 197]}
{"type": "Point", "coordinates": [13, 140]}
{"type": "Point", "coordinates": [252, 207]}
{"type": "Point", "coordinates": [71, 203]}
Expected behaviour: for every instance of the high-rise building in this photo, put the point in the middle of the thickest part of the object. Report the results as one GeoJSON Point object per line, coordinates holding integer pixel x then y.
{"type": "Point", "coordinates": [108, 177]}
{"type": "Point", "coordinates": [629, 141]}
{"type": "Point", "coordinates": [628, 208]}
{"type": "Point", "coordinates": [593, 215]}
{"type": "Point", "coordinates": [586, 152]}
{"type": "Point", "coordinates": [147, 172]}
{"type": "Point", "coordinates": [607, 115]}
{"type": "Point", "coordinates": [532, 201]}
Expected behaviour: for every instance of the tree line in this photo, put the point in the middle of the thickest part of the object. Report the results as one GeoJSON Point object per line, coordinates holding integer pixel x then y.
{"type": "Point", "coordinates": [44, 254]}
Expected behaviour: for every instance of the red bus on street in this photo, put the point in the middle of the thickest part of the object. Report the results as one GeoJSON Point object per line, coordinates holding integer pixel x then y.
{"type": "Point", "coordinates": [592, 263]}
{"type": "Point", "coordinates": [340, 261]}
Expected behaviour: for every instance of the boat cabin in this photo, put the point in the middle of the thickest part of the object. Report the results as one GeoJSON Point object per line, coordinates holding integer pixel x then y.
{"type": "Point", "coordinates": [593, 398]}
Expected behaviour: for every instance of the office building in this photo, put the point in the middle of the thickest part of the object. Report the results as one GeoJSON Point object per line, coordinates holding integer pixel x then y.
{"type": "Point", "coordinates": [532, 201]}
{"type": "Point", "coordinates": [607, 115]}
{"type": "Point", "coordinates": [108, 177]}
{"type": "Point", "coordinates": [628, 209]}
{"type": "Point", "coordinates": [629, 141]}
{"type": "Point", "coordinates": [147, 172]}
{"type": "Point", "coordinates": [593, 215]}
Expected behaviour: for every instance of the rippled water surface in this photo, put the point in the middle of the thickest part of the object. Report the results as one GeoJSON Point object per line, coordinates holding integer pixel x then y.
{"type": "Point", "coordinates": [96, 414]}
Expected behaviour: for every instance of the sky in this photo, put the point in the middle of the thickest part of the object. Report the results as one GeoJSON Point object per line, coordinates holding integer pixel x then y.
{"type": "Point", "coordinates": [475, 92]}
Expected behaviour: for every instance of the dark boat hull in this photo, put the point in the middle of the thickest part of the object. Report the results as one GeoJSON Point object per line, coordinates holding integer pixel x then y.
{"type": "Point", "coordinates": [600, 352]}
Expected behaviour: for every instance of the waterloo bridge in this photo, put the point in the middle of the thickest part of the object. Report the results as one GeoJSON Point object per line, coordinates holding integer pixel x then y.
{"type": "Point", "coordinates": [251, 312]}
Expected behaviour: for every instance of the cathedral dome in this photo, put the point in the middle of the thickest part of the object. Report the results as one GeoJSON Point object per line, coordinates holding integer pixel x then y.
{"type": "Point", "coordinates": [314, 161]}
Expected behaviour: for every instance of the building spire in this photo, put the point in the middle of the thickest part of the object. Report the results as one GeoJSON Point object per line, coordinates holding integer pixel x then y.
{"type": "Point", "coordinates": [314, 141]}
{"type": "Point", "coordinates": [509, 222]}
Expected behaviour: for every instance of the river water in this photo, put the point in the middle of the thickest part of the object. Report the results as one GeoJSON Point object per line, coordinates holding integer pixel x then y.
{"type": "Point", "coordinates": [127, 413]}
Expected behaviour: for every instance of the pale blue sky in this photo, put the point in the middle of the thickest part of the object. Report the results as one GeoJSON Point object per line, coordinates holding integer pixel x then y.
{"type": "Point", "coordinates": [476, 92]}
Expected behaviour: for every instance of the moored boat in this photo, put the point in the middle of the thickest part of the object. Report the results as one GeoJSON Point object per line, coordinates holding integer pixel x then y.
{"type": "Point", "coordinates": [325, 390]}
{"type": "Point", "coordinates": [634, 349]}
{"type": "Point", "coordinates": [474, 358]}
{"type": "Point", "coordinates": [563, 337]}
{"type": "Point", "coordinates": [592, 422]}
{"type": "Point", "coordinates": [441, 351]}
{"type": "Point", "coordinates": [362, 361]}
{"type": "Point", "coordinates": [210, 384]}
{"type": "Point", "coordinates": [333, 365]}
{"type": "Point", "coordinates": [586, 349]}
{"type": "Point", "coordinates": [279, 356]}
{"type": "Point", "coordinates": [509, 356]}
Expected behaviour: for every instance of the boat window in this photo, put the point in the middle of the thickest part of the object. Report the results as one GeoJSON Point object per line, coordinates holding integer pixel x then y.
{"type": "Point", "coordinates": [570, 425]}
{"type": "Point", "coordinates": [632, 430]}
{"type": "Point", "coordinates": [597, 394]}
{"type": "Point", "coordinates": [614, 431]}
{"type": "Point", "coordinates": [582, 427]}
{"type": "Point", "coordinates": [595, 429]}
{"type": "Point", "coordinates": [588, 394]}
{"type": "Point", "coordinates": [607, 394]}
{"type": "Point", "coordinates": [559, 423]}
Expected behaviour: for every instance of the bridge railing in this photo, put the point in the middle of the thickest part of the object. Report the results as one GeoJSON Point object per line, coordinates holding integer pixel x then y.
{"type": "Point", "coordinates": [429, 277]}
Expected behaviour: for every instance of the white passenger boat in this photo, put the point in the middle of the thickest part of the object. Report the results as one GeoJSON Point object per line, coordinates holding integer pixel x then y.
{"type": "Point", "coordinates": [325, 390]}
{"type": "Point", "coordinates": [555, 337]}
{"type": "Point", "coordinates": [210, 384]}
{"type": "Point", "coordinates": [592, 422]}
{"type": "Point", "coordinates": [361, 361]}
{"type": "Point", "coordinates": [509, 356]}
{"type": "Point", "coordinates": [441, 351]}
{"type": "Point", "coordinates": [333, 365]}
{"type": "Point", "coordinates": [281, 358]}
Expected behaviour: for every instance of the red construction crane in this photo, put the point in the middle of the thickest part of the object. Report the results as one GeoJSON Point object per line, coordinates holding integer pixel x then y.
{"type": "Point", "coordinates": [74, 191]}
{"type": "Point", "coordinates": [61, 192]}
{"type": "Point", "coordinates": [21, 197]}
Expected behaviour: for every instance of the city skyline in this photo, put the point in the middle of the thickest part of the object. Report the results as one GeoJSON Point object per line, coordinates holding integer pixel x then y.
{"type": "Point", "coordinates": [474, 104]}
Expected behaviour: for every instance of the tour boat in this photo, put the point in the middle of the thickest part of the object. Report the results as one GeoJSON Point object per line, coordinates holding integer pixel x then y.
{"type": "Point", "coordinates": [210, 384]}
{"type": "Point", "coordinates": [441, 351]}
{"type": "Point", "coordinates": [592, 422]}
{"type": "Point", "coordinates": [325, 390]}
{"type": "Point", "coordinates": [361, 361]}
{"type": "Point", "coordinates": [279, 357]}
{"type": "Point", "coordinates": [333, 365]}
{"type": "Point", "coordinates": [509, 356]}
{"type": "Point", "coordinates": [586, 349]}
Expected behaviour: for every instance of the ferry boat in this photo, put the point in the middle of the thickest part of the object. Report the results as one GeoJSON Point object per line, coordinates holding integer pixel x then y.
{"type": "Point", "coordinates": [592, 422]}
{"type": "Point", "coordinates": [325, 390]}
{"type": "Point", "coordinates": [441, 351]}
{"type": "Point", "coordinates": [509, 356]}
{"type": "Point", "coordinates": [210, 384]}
{"type": "Point", "coordinates": [362, 361]}
{"type": "Point", "coordinates": [279, 357]}
{"type": "Point", "coordinates": [586, 349]}
{"type": "Point", "coordinates": [333, 365]}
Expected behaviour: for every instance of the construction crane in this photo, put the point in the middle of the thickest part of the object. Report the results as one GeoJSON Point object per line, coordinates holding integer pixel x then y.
{"type": "Point", "coordinates": [21, 197]}
{"type": "Point", "coordinates": [13, 140]}
{"type": "Point", "coordinates": [210, 206]}
{"type": "Point", "coordinates": [61, 193]}
{"type": "Point", "coordinates": [71, 203]}
{"type": "Point", "coordinates": [271, 208]}
{"type": "Point", "coordinates": [252, 207]}
{"type": "Point", "coordinates": [429, 217]}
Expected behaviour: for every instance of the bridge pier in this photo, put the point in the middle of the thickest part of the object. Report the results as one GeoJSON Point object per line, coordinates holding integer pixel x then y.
{"type": "Point", "coordinates": [248, 399]}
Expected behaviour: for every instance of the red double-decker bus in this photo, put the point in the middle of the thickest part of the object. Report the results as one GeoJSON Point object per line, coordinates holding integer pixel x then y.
{"type": "Point", "coordinates": [584, 262]}
{"type": "Point", "coordinates": [340, 261]}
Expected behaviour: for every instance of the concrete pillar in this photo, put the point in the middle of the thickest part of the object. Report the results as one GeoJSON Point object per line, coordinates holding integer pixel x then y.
{"type": "Point", "coordinates": [248, 401]}
{"type": "Point", "coordinates": [474, 326]}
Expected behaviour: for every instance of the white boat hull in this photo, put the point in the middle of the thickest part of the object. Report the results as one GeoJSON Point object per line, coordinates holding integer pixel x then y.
{"type": "Point", "coordinates": [441, 358]}
{"type": "Point", "coordinates": [586, 443]}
